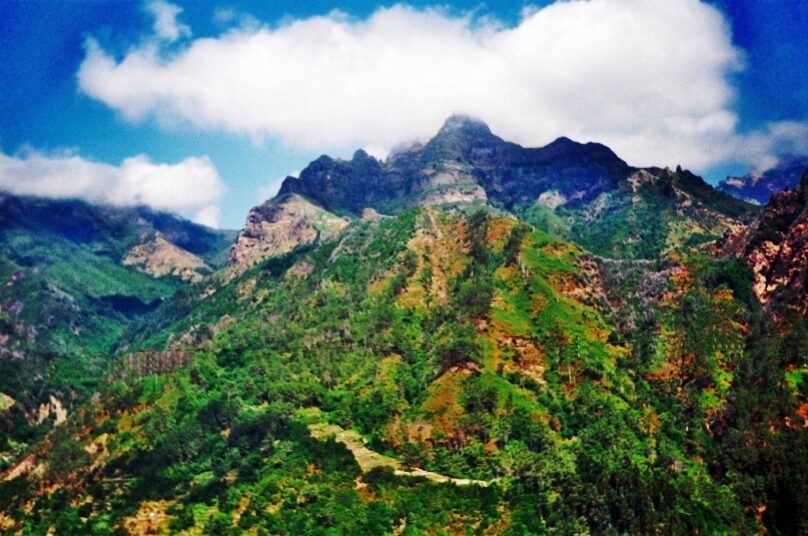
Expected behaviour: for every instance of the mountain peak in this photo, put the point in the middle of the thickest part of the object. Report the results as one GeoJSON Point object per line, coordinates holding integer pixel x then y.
{"type": "Point", "coordinates": [361, 154]}
{"type": "Point", "coordinates": [464, 124]}
{"type": "Point", "coordinates": [563, 140]}
{"type": "Point", "coordinates": [457, 135]}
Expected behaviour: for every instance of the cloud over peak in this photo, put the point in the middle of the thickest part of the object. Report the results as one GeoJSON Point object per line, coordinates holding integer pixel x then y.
{"type": "Point", "coordinates": [650, 79]}
{"type": "Point", "coordinates": [190, 188]}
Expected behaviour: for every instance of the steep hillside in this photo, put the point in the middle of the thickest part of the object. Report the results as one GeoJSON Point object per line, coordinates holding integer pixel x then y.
{"type": "Point", "coordinates": [72, 277]}
{"type": "Point", "coordinates": [580, 191]}
{"type": "Point", "coordinates": [652, 212]}
{"type": "Point", "coordinates": [758, 187]}
{"type": "Point", "coordinates": [776, 247]}
{"type": "Point", "coordinates": [434, 371]}
{"type": "Point", "coordinates": [469, 337]}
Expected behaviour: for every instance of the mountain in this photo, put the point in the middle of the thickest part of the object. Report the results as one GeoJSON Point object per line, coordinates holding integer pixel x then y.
{"type": "Point", "coordinates": [73, 276]}
{"type": "Point", "coordinates": [580, 190]}
{"type": "Point", "coordinates": [429, 345]}
{"type": "Point", "coordinates": [463, 162]}
{"type": "Point", "coordinates": [758, 187]}
{"type": "Point", "coordinates": [280, 225]}
{"type": "Point", "coordinates": [776, 247]}
{"type": "Point", "coordinates": [428, 370]}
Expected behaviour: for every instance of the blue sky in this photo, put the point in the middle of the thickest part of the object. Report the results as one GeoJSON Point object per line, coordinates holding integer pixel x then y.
{"type": "Point", "coordinates": [242, 93]}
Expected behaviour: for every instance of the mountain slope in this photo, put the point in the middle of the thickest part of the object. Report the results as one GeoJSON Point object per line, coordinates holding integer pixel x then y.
{"type": "Point", "coordinates": [652, 212]}
{"type": "Point", "coordinates": [776, 247]}
{"type": "Point", "coordinates": [582, 191]}
{"type": "Point", "coordinates": [759, 187]}
{"type": "Point", "coordinates": [466, 346]}
{"type": "Point", "coordinates": [73, 276]}
{"type": "Point", "coordinates": [451, 365]}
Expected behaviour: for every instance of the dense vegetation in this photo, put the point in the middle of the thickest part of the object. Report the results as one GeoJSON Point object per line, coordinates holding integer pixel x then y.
{"type": "Point", "coordinates": [66, 299]}
{"type": "Point", "coordinates": [555, 343]}
{"type": "Point", "coordinates": [468, 345]}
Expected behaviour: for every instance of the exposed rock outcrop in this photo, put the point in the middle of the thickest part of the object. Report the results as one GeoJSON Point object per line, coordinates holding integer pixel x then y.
{"type": "Point", "coordinates": [6, 402]}
{"type": "Point", "coordinates": [464, 163]}
{"type": "Point", "coordinates": [279, 226]}
{"type": "Point", "coordinates": [775, 246]}
{"type": "Point", "coordinates": [371, 215]}
{"type": "Point", "coordinates": [158, 257]}
{"type": "Point", "coordinates": [53, 407]}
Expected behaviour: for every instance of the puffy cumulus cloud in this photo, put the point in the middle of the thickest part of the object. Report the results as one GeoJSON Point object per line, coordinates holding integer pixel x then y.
{"type": "Point", "coordinates": [190, 188]}
{"type": "Point", "coordinates": [166, 26]}
{"type": "Point", "coordinates": [648, 78]}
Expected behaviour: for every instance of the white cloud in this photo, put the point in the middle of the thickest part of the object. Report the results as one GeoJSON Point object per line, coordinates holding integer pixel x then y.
{"type": "Point", "coordinates": [166, 26]}
{"type": "Point", "coordinates": [648, 78]}
{"type": "Point", "coordinates": [190, 188]}
{"type": "Point", "coordinates": [207, 215]}
{"type": "Point", "coordinates": [763, 148]}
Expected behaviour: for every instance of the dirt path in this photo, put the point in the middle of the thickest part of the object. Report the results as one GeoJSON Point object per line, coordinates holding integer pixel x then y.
{"type": "Point", "coordinates": [368, 459]}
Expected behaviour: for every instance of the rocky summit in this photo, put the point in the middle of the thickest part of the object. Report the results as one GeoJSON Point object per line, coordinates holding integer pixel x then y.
{"type": "Point", "coordinates": [581, 190]}
{"type": "Point", "coordinates": [469, 337]}
{"type": "Point", "coordinates": [464, 162]}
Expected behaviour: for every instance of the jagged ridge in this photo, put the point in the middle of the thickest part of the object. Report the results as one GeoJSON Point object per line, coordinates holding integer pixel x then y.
{"type": "Point", "coordinates": [580, 191]}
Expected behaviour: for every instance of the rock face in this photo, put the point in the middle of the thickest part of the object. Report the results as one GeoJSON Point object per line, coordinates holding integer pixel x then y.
{"type": "Point", "coordinates": [159, 257]}
{"type": "Point", "coordinates": [279, 226]}
{"type": "Point", "coordinates": [463, 163]}
{"type": "Point", "coordinates": [775, 246]}
{"type": "Point", "coordinates": [758, 187]}
{"type": "Point", "coordinates": [582, 191]}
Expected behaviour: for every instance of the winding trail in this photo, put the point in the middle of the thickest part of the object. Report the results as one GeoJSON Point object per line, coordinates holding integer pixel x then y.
{"type": "Point", "coordinates": [368, 459]}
